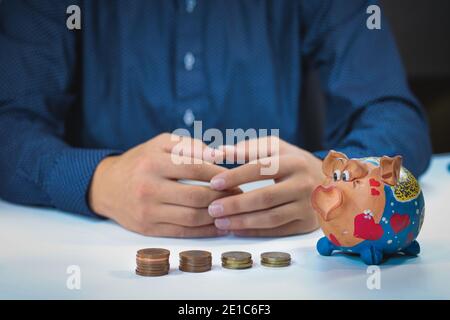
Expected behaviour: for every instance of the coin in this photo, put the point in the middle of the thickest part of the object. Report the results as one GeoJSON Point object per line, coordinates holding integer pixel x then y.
{"type": "Point", "coordinates": [272, 265]}
{"type": "Point", "coordinates": [196, 257]}
{"type": "Point", "coordinates": [275, 256]}
{"type": "Point", "coordinates": [152, 262]}
{"type": "Point", "coordinates": [183, 263]}
{"type": "Point", "coordinates": [237, 260]}
{"type": "Point", "coordinates": [186, 268]}
{"type": "Point", "coordinates": [195, 261]}
{"type": "Point", "coordinates": [275, 259]}
{"type": "Point", "coordinates": [152, 268]}
{"type": "Point", "coordinates": [276, 262]}
{"type": "Point", "coordinates": [195, 254]}
{"type": "Point", "coordinates": [153, 253]}
{"type": "Point", "coordinates": [237, 265]}
{"type": "Point", "coordinates": [236, 256]}
{"type": "Point", "coordinates": [151, 274]}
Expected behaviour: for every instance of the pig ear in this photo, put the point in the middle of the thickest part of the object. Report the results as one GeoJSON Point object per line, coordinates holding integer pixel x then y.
{"type": "Point", "coordinates": [390, 169]}
{"type": "Point", "coordinates": [329, 162]}
{"type": "Point", "coordinates": [357, 169]}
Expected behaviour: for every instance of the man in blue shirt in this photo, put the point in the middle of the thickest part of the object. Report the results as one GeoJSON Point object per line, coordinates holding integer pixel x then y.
{"type": "Point", "coordinates": [85, 114]}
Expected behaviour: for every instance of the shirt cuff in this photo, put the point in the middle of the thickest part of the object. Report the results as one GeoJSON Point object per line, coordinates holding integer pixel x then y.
{"type": "Point", "coordinates": [68, 182]}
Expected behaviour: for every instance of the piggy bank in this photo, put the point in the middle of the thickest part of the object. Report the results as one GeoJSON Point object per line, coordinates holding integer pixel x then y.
{"type": "Point", "coordinates": [370, 206]}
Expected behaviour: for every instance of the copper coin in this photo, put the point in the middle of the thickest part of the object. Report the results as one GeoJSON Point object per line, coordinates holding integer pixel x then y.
{"type": "Point", "coordinates": [189, 265]}
{"type": "Point", "coordinates": [149, 260]}
{"type": "Point", "coordinates": [156, 264]}
{"type": "Point", "coordinates": [195, 255]}
{"type": "Point", "coordinates": [151, 274]}
{"type": "Point", "coordinates": [161, 267]}
{"type": "Point", "coordinates": [196, 263]}
{"type": "Point", "coordinates": [153, 253]}
{"type": "Point", "coordinates": [194, 269]}
{"type": "Point", "coordinates": [152, 268]}
{"type": "Point", "coordinates": [183, 258]}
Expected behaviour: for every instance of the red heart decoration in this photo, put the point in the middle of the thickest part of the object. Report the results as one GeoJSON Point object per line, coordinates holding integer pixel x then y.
{"type": "Point", "coordinates": [374, 192]}
{"type": "Point", "coordinates": [334, 240]}
{"type": "Point", "coordinates": [374, 183]}
{"type": "Point", "coordinates": [366, 228]}
{"type": "Point", "coordinates": [399, 222]}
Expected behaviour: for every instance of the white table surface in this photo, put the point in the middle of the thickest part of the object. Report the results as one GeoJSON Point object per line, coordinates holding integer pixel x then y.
{"type": "Point", "coordinates": [37, 246]}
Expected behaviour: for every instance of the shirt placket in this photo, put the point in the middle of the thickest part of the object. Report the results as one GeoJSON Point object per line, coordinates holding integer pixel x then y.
{"type": "Point", "coordinates": [190, 77]}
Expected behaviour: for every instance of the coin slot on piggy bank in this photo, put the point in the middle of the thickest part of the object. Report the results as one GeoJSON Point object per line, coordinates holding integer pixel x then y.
{"type": "Point", "coordinates": [372, 206]}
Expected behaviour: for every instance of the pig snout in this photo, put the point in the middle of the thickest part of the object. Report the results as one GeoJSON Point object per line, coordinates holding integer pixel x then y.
{"type": "Point", "coordinates": [325, 199]}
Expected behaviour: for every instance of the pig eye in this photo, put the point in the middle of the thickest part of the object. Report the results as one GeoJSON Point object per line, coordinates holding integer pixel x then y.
{"type": "Point", "coordinates": [337, 175]}
{"type": "Point", "coordinates": [345, 175]}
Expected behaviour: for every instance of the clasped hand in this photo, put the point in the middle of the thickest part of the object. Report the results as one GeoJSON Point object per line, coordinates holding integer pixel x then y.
{"type": "Point", "coordinates": [140, 190]}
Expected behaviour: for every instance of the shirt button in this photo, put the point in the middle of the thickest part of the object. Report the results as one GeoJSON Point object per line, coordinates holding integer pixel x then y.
{"type": "Point", "coordinates": [188, 117]}
{"type": "Point", "coordinates": [189, 61]}
{"type": "Point", "coordinates": [190, 5]}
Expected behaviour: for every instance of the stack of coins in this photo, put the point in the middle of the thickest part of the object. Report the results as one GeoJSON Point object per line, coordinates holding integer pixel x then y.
{"type": "Point", "coordinates": [237, 260]}
{"type": "Point", "coordinates": [195, 261]}
{"type": "Point", "coordinates": [275, 259]}
{"type": "Point", "coordinates": [152, 262]}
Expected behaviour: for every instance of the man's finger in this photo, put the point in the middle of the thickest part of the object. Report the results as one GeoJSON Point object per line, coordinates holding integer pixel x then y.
{"type": "Point", "coordinates": [250, 172]}
{"type": "Point", "coordinates": [190, 195]}
{"type": "Point", "coordinates": [177, 167]}
{"type": "Point", "coordinates": [255, 200]}
{"type": "Point", "coordinates": [264, 219]}
{"type": "Point", "coordinates": [176, 231]}
{"type": "Point", "coordinates": [183, 216]}
{"type": "Point", "coordinates": [252, 149]}
{"type": "Point", "coordinates": [291, 228]}
{"type": "Point", "coordinates": [184, 146]}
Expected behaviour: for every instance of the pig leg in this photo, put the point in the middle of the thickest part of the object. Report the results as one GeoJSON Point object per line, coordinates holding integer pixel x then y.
{"type": "Point", "coordinates": [325, 247]}
{"type": "Point", "coordinates": [413, 249]}
{"type": "Point", "coordinates": [371, 255]}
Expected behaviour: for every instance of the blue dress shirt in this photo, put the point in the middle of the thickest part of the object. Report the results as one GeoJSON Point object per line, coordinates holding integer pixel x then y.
{"type": "Point", "coordinates": [69, 98]}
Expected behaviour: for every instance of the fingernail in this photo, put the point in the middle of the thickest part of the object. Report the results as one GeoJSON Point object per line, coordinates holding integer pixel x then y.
{"type": "Point", "coordinates": [218, 183]}
{"type": "Point", "coordinates": [215, 209]}
{"type": "Point", "coordinates": [222, 224]}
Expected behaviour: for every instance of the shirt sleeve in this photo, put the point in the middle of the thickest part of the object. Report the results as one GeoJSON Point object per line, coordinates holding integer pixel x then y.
{"type": "Point", "coordinates": [38, 72]}
{"type": "Point", "coordinates": [370, 109]}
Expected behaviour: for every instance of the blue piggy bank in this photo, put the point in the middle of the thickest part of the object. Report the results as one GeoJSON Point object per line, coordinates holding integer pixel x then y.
{"type": "Point", "coordinates": [373, 207]}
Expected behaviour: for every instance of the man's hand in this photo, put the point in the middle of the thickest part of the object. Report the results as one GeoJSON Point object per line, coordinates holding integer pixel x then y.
{"type": "Point", "coordinates": [277, 210]}
{"type": "Point", "coordinates": [140, 191]}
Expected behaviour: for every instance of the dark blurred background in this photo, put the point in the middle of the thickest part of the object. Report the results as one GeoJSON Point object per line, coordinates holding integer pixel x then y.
{"type": "Point", "coordinates": [422, 31]}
